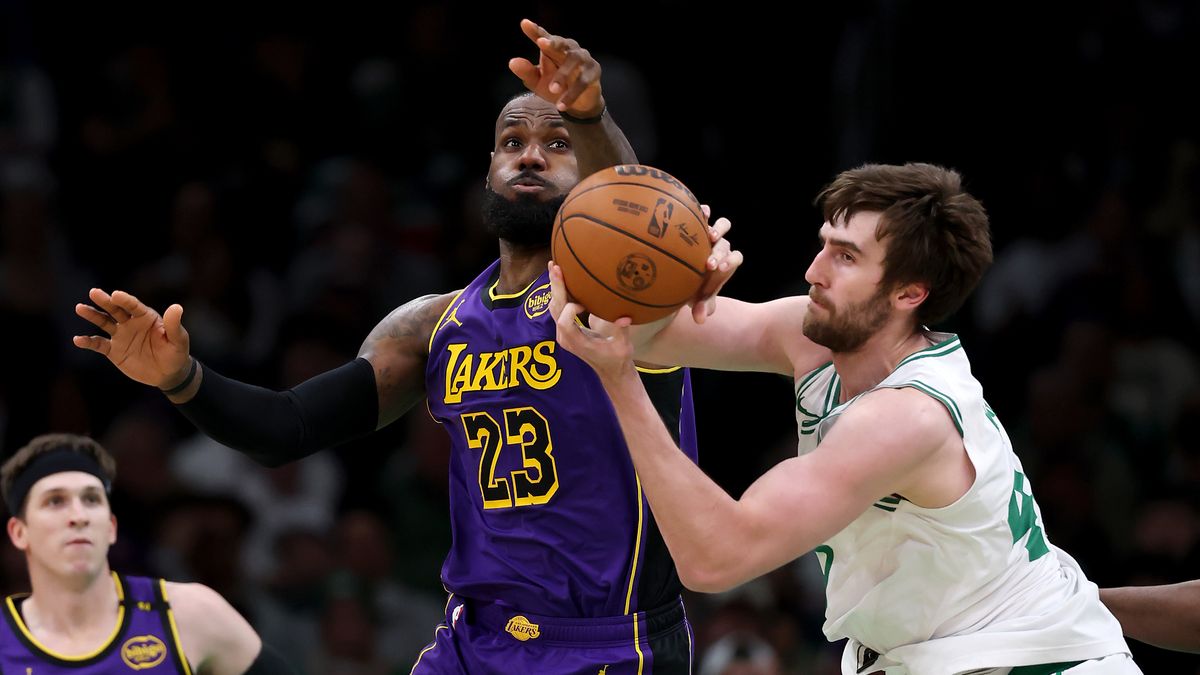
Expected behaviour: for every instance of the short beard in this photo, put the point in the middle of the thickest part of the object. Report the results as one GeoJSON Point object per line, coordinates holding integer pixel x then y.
{"type": "Point", "coordinates": [849, 328]}
{"type": "Point", "coordinates": [523, 221]}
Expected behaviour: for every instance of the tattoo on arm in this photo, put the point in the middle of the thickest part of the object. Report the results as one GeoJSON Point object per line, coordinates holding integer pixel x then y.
{"type": "Point", "coordinates": [398, 349]}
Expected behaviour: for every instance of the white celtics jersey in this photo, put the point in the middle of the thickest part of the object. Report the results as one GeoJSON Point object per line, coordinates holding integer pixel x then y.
{"type": "Point", "coordinates": [971, 586]}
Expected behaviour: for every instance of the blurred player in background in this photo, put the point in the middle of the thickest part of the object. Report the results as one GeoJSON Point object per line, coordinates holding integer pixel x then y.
{"type": "Point", "coordinates": [82, 617]}
{"type": "Point", "coordinates": [556, 564]}
{"type": "Point", "coordinates": [907, 487]}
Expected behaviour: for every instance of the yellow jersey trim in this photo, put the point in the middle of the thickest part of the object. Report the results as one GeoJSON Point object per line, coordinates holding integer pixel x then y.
{"type": "Point", "coordinates": [187, 667]}
{"type": "Point", "coordinates": [691, 646]}
{"type": "Point", "coordinates": [440, 627]}
{"type": "Point", "coordinates": [507, 296]}
{"type": "Point", "coordinates": [636, 644]}
{"type": "Point", "coordinates": [429, 411]}
{"type": "Point", "coordinates": [637, 546]}
{"type": "Point", "coordinates": [83, 657]}
{"type": "Point", "coordinates": [438, 326]}
{"type": "Point", "coordinates": [657, 371]}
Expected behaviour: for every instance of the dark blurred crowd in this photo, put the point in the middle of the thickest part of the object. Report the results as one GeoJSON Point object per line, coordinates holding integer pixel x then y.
{"type": "Point", "coordinates": [290, 179]}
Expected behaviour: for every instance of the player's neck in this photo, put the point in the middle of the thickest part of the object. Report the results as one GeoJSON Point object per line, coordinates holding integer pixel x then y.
{"type": "Point", "coordinates": [520, 265]}
{"type": "Point", "coordinates": [68, 607]}
{"type": "Point", "coordinates": [867, 366]}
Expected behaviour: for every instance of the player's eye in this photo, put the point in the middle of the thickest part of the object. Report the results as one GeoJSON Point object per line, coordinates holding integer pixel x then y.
{"type": "Point", "coordinates": [559, 144]}
{"type": "Point", "coordinates": [510, 143]}
{"type": "Point", "coordinates": [846, 257]}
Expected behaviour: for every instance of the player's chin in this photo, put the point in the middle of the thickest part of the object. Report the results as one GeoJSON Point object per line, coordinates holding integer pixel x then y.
{"type": "Point", "coordinates": [535, 194]}
{"type": "Point", "coordinates": [80, 566]}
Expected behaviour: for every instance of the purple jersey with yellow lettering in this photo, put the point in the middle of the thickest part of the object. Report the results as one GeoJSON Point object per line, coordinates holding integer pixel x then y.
{"type": "Point", "coordinates": [547, 512]}
{"type": "Point", "coordinates": [144, 639]}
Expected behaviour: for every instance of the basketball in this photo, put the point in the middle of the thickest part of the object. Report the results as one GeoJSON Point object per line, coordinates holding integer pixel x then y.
{"type": "Point", "coordinates": [631, 241]}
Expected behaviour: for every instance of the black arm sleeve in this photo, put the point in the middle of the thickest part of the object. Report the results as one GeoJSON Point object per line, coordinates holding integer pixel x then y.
{"type": "Point", "coordinates": [277, 427]}
{"type": "Point", "coordinates": [269, 662]}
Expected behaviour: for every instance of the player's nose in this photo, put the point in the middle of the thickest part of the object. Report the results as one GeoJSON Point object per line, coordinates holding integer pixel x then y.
{"type": "Point", "coordinates": [77, 513]}
{"type": "Point", "coordinates": [532, 157]}
{"type": "Point", "coordinates": [813, 274]}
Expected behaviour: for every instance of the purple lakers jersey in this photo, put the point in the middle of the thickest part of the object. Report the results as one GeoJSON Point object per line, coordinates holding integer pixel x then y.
{"type": "Point", "coordinates": [144, 639]}
{"type": "Point", "coordinates": [547, 512]}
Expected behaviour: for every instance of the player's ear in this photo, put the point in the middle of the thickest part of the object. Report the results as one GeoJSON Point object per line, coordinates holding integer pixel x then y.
{"type": "Point", "coordinates": [17, 533]}
{"type": "Point", "coordinates": [910, 296]}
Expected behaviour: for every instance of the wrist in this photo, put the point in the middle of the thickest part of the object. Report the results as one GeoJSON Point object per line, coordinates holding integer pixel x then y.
{"type": "Point", "coordinates": [180, 380]}
{"type": "Point", "coordinates": [614, 379]}
{"type": "Point", "coordinates": [582, 118]}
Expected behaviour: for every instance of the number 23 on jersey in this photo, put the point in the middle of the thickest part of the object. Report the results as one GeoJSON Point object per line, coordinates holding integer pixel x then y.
{"type": "Point", "coordinates": [523, 428]}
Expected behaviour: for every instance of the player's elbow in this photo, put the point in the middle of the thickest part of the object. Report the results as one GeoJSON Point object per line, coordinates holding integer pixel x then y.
{"type": "Point", "coordinates": [707, 576]}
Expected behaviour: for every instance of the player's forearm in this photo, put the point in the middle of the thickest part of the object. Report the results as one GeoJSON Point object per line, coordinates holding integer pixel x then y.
{"type": "Point", "coordinates": [669, 341]}
{"type": "Point", "coordinates": [273, 427]}
{"type": "Point", "coordinates": [698, 520]}
{"type": "Point", "coordinates": [1163, 616]}
{"type": "Point", "coordinates": [599, 145]}
{"type": "Point", "coordinates": [732, 338]}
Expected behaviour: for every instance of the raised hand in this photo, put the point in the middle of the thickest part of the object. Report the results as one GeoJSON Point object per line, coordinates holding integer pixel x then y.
{"type": "Point", "coordinates": [566, 74]}
{"type": "Point", "coordinates": [145, 346]}
{"type": "Point", "coordinates": [723, 262]}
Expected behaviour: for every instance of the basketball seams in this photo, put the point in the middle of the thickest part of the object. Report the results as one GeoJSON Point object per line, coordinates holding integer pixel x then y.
{"type": "Point", "coordinates": [562, 233]}
{"type": "Point", "coordinates": [563, 223]}
{"type": "Point", "coordinates": [632, 288]}
{"type": "Point", "coordinates": [673, 195]}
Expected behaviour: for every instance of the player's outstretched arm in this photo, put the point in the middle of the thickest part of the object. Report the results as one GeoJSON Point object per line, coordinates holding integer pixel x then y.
{"type": "Point", "coordinates": [272, 427]}
{"type": "Point", "coordinates": [756, 337]}
{"type": "Point", "coordinates": [568, 76]}
{"type": "Point", "coordinates": [1164, 616]}
{"type": "Point", "coordinates": [337, 406]}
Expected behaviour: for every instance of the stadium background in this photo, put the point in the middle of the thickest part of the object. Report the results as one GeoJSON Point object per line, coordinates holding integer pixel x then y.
{"type": "Point", "coordinates": [291, 176]}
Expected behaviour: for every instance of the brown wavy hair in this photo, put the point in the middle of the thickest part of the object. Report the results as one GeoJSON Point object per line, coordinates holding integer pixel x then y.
{"type": "Point", "coordinates": [932, 230]}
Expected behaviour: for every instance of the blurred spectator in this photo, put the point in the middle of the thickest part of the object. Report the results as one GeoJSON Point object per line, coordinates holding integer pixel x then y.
{"type": "Point", "coordinates": [739, 654]}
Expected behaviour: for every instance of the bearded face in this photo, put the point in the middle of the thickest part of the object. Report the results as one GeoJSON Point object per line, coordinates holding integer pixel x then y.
{"type": "Point", "coordinates": [523, 219]}
{"type": "Point", "coordinates": [848, 327]}
{"type": "Point", "coordinates": [533, 167]}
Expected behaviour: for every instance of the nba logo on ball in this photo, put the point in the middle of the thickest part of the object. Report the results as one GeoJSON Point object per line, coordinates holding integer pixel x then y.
{"type": "Point", "coordinates": [631, 241]}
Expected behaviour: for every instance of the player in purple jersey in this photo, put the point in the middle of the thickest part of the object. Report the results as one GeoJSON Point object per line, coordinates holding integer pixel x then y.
{"type": "Point", "coordinates": [84, 619]}
{"type": "Point", "coordinates": [556, 565]}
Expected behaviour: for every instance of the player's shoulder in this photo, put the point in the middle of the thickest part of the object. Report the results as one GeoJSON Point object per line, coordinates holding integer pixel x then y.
{"type": "Point", "coordinates": [211, 631]}
{"type": "Point", "coordinates": [909, 415]}
{"type": "Point", "coordinates": [200, 612]}
{"type": "Point", "coordinates": [427, 308]}
{"type": "Point", "coordinates": [411, 323]}
{"type": "Point", "coordinates": [193, 598]}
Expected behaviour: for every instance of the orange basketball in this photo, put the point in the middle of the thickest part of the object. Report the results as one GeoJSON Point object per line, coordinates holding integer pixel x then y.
{"type": "Point", "coordinates": [631, 241]}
